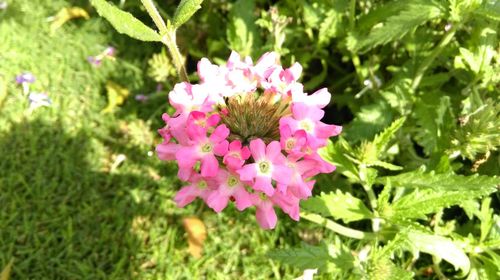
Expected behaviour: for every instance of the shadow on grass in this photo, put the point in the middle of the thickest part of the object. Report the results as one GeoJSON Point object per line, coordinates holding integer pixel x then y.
{"type": "Point", "coordinates": [62, 218]}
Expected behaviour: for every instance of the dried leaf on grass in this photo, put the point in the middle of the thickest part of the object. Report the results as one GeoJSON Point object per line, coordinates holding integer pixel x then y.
{"type": "Point", "coordinates": [197, 233]}
{"type": "Point", "coordinates": [5, 275]}
{"type": "Point", "coordinates": [66, 14]}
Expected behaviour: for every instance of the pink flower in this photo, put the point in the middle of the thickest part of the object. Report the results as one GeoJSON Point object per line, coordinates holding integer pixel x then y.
{"type": "Point", "coordinates": [265, 214]}
{"type": "Point", "coordinates": [273, 127]}
{"type": "Point", "coordinates": [236, 155]}
{"type": "Point", "coordinates": [292, 143]}
{"type": "Point", "coordinates": [187, 98]}
{"type": "Point", "coordinates": [268, 165]}
{"type": "Point", "coordinates": [203, 149]}
{"type": "Point", "coordinates": [198, 187]}
{"type": "Point", "coordinates": [308, 118]}
{"type": "Point", "coordinates": [229, 185]}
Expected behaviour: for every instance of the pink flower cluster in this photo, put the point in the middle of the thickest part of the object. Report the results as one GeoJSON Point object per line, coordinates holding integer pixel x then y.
{"type": "Point", "coordinates": [228, 150]}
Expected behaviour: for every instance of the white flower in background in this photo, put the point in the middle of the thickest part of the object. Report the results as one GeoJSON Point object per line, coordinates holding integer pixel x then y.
{"type": "Point", "coordinates": [38, 100]}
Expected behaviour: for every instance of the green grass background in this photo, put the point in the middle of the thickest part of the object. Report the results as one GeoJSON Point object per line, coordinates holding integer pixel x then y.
{"type": "Point", "coordinates": [64, 214]}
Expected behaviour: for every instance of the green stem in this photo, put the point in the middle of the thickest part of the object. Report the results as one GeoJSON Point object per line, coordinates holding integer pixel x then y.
{"type": "Point", "coordinates": [352, 14]}
{"type": "Point", "coordinates": [168, 39]}
{"type": "Point", "coordinates": [430, 59]}
{"type": "Point", "coordinates": [340, 229]}
{"type": "Point", "coordinates": [155, 15]}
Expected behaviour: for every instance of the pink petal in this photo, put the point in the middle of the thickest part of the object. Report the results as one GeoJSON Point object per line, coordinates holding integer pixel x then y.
{"type": "Point", "coordinates": [219, 134]}
{"type": "Point", "coordinates": [242, 199]}
{"type": "Point", "coordinates": [282, 174]}
{"type": "Point", "coordinates": [327, 130]}
{"type": "Point", "coordinates": [213, 120]}
{"type": "Point", "coordinates": [263, 183]}
{"type": "Point", "coordinates": [221, 148]}
{"type": "Point", "coordinates": [321, 97]}
{"type": "Point", "coordinates": [209, 166]}
{"type": "Point", "coordinates": [295, 70]}
{"type": "Point", "coordinates": [167, 151]}
{"type": "Point", "coordinates": [186, 195]}
{"type": "Point", "coordinates": [217, 201]}
{"type": "Point", "coordinates": [235, 145]}
{"type": "Point", "coordinates": [187, 156]}
{"type": "Point", "coordinates": [258, 149]}
{"type": "Point", "coordinates": [266, 217]}
{"type": "Point", "coordinates": [273, 150]}
{"type": "Point", "coordinates": [248, 172]}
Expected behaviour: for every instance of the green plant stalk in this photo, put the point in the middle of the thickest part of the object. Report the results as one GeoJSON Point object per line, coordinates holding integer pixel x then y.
{"type": "Point", "coordinates": [428, 61]}
{"type": "Point", "coordinates": [340, 229]}
{"type": "Point", "coordinates": [155, 15]}
{"type": "Point", "coordinates": [168, 39]}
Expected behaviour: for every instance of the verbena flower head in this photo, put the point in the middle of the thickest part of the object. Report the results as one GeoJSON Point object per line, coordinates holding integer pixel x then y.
{"type": "Point", "coordinates": [247, 133]}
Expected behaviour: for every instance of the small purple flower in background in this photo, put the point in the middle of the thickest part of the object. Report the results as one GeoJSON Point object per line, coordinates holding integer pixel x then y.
{"type": "Point", "coordinates": [38, 100]}
{"type": "Point", "coordinates": [3, 5]}
{"type": "Point", "coordinates": [108, 53]}
{"type": "Point", "coordinates": [141, 97]}
{"type": "Point", "coordinates": [25, 77]}
{"type": "Point", "coordinates": [94, 60]}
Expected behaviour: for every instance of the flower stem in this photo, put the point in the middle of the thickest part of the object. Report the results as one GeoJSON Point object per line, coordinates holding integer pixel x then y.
{"type": "Point", "coordinates": [168, 39]}
{"type": "Point", "coordinates": [428, 61]}
{"type": "Point", "coordinates": [155, 15]}
{"type": "Point", "coordinates": [340, 229]}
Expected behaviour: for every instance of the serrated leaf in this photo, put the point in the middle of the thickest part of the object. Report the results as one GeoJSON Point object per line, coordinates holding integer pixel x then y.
{"type": "Point", "coordinates": [444, 182]}
{"type": "Point", "coordinates": [414, 14]}
{"type": "Point", "coordinates": [185, 10]}
{"type": "Point", "coordinates": [306, 257]}
{"type": "Point", "coordinates": [419, 203]}
{"type": "Point", "coordinates": [440, 247]}
{"type": "Point", "coordinates": [124, 22]}
{"type": "Point", "coordinates": [382, 139]}
{"type": "Point", "coordinates": [336, 155]}
{"type": "Point", "coordinates": [338, 205]}
{"type": "Point", "coordinates": [242, 32]}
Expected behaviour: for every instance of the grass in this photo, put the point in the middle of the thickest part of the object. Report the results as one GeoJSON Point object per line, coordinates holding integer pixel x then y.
{"type": "Point", "coordinates": [66, 212]}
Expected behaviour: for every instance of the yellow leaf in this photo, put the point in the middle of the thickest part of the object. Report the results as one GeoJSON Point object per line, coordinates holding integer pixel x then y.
{"type": "Point", "coordinates": [66, 14]}
{"type": "Point", "coordinates": [197, 234]}
{"type": "Point", "coordinates": [5, 275]}
{"type": "Point", "coordinates": [116, 96]}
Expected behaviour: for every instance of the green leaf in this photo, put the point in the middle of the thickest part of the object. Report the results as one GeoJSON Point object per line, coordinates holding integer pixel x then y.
{"type": "Point", "coordinates": [327, 258]}
{"type": "Point", "coordinates": [434, 192]}
{"type": "Point", "coordinates": [440, 247]}
{"type": "Point", "coordinates": [444, 182]}
{"type": "Point", "coordinates": [339, 206]}
{"type": "Point", "coordinates": [331, 25]}
{"type": "Point", "coordinates": [414, 13]}
{"type": "Point", "coordinates": [382, 139]}
{"type": "Point", "coordinates": [369, 120]}
{"type": "Point", "coordinates": [306, 257]}
{"type": "Point", "coordinates": [242, 32]}
{"type": "Point", "coordinates": [125, 23]}
{"type": "Point", "coordinates": [336, 155]}
{"type": "Point", "coordinates": [185, 11]}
